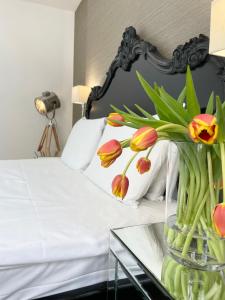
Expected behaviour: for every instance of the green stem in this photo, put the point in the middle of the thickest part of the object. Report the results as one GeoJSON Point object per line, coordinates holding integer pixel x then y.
{"type": "Point", "coordinates": [125, 143]}
{"type": "Point", "coordinates": [212, 242]}
{"type": "Point", "coordinates": [184, 180]}
{"type": "Point", "coordinates": [201, 168]}
{"type": "Point", "coordinates": [211, 181]}
{"type": "Point", "coordinates": [163, 135]}
{"type": "Point", "coordinates": [200, 240]}
{"type": "Point", "coordinates": [129, 163]}
{"type": "Point", "coordinates": [223, 168]}
{"type": "Point", "coordinates": [149, 151]}
{"type": "Point", "coordinates": [173, 128]}
{"type": "Point", "coordinates": [191, 232]}
{"type": "Point", "coordinates": [195, 189]}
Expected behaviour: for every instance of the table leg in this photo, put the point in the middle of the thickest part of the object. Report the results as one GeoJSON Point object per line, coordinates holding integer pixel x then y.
{"type": "Point", "coordinates": [116, 279]}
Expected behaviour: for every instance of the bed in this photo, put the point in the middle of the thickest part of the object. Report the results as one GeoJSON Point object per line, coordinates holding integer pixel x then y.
{"type": "Point", "coordinates": [54, 220]}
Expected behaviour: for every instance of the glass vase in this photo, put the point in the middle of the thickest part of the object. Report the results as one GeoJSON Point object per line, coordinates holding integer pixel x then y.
{"type": "Point", "coordinates": [185, 283]}
{"type": "Point", "coordinates": [190, 233]}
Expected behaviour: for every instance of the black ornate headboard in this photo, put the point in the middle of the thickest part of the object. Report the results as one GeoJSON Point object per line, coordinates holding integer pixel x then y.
{"type": "Point", "coordinates": [122, 87]}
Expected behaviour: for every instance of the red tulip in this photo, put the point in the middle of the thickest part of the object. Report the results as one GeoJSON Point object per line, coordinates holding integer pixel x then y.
{"type": "Point", "coordinates": [115, 116]}
{"type": "Point", "coordinates": [120, 186]}
{"type": "Point", "coordinates": [109, 152]}
{"type": "Point", "coordinates": [218, 218]}
{"type": "Point", "coordinates": [203, 128]}
{"type": "Point", "coordinates": [143, 165]}
{"type": "Point", "coordinates": [143, 138]}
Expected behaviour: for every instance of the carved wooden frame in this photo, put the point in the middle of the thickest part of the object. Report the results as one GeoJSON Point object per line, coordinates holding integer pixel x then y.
{"type": "Point", "coordinates": [193, 53]}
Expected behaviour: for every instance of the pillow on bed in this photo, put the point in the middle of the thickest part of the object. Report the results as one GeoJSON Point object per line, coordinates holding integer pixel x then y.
{"type": "Point", "coordinates": [82, 143]}
{"type": "Point", "coordinates": [138, 184]}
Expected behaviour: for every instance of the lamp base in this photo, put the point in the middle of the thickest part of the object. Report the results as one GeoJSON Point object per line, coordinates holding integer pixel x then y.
{"type": "Point", "coordinates": [45, 145]}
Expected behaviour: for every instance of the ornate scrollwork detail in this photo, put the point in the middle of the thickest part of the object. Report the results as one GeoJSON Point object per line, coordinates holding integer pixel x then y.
{"type": "Point", "coordinates": [130, 48]}
{"type": "Point", "coordinates": [95, 92]}
{"type": "Point", "coordinates": [94, 95]}
{"type": "Point", "coordinates": [192, 53]}
{"type": "Point", "coordinates": [126, 54]}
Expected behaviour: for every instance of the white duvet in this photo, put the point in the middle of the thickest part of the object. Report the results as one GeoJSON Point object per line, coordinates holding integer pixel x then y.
{"type": "Point", "coordinates": [50, 213]}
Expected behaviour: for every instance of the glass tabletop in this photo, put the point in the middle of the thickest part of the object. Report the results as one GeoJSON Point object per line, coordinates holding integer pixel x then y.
{"type": "Point", "coordinates": [142, 250]}
{"type": "Point", "coordinates": [145, 243]}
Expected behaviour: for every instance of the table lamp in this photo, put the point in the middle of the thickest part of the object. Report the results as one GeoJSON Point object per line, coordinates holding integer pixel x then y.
{"type": "Point", "coordinates": [46, 105]}
{"type": "Point", "coordinates": [217, 28]}
{"type": "Point", "coordinates": [80, 95]}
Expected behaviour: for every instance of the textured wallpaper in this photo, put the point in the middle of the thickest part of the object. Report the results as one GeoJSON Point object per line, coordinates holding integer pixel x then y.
{"type": "Point", "coordinates": [100, 24]}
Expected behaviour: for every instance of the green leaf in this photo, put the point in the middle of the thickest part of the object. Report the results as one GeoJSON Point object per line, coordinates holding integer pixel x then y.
{"type": "Point", "coordinates": [216, 151]}
{"type": "Point", "coordinates": [216, 159]}
{"type": "Point", "coordinates": [148, 122]}
{"type": "Point", "coordinates": [161, 105]}
{"type": "Point", "coordinates": [128, 124]}
{"type": "Point", "coordinates": [156, 88]}
{"type": "Point", "coordinates": [192, 101]}
{"type": "Point", "coordinates": [173, 136]}
{"type": "Point", "coordinates": [178, 107]}
{"type": "Point", "coordinates": [220, 120]}
{"type": "Point", "coordinates": [130, 111]}
{"type": "Point", "coordinates": [144, 112]}
{"type": "Point", "coordinates": [210, 105]}
{"type": "Point", "coordinates": [140, 121]}
{"type": "Point", "coordinates": [223, 107]}
{"type": "Point", "coordinates": [119, 111]}
{"type": "Point", "coordinates": [182, 96]}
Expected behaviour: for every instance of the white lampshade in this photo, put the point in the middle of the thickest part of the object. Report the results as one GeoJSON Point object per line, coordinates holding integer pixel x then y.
{"type": "Point", "coordinates": [80, 94]}
{"type": "Point", "coordinates": [217, 28]}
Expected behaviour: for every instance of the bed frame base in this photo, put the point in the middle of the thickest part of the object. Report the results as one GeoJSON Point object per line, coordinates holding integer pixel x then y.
{"type": "Point", "coordinates": [99, 291]}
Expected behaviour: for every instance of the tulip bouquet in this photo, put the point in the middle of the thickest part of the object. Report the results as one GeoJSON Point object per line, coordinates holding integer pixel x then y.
{"type": "Point", "coordinates": [195, 236]}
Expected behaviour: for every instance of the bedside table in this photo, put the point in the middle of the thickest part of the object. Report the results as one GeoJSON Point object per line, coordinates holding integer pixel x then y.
{"type": "Point", "coordinates": [135, 263]}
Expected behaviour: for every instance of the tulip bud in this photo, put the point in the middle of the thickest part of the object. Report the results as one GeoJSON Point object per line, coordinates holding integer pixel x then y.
{"type": "Point", "coordinates": [143, 165]}
{"type": "Point", "coordinates": [203, 128]}
{"type": "Point", "coordinates": [109, 152]}
{"type": "Point", "coordinates": [218, 218]}
{"type": "Point", "coordinates": [120, 186]}
{"type": "Point", "coordinates": [114, 116]}
{"type": "Point", "coordinates": [143, 138]}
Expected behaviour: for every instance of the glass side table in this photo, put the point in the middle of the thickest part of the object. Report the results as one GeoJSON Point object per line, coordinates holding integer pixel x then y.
{"type": "Point", "coordinates": [135, 263]}
{"type": "Point", "coordinates": [141, 268]}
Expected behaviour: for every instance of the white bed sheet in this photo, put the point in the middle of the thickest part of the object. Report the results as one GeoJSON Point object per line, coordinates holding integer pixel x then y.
{"type": "Point", "coordinates": [54, 228]}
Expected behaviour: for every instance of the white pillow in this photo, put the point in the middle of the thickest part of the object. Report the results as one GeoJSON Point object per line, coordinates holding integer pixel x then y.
{"type": "Point", "coordinates": [82, 143]}
{"type": "Point", "coordinates": [139, 184]}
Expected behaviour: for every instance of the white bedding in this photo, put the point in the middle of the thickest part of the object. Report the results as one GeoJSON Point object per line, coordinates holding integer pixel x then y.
{"type": "Point", "coordinates": [54, 228]}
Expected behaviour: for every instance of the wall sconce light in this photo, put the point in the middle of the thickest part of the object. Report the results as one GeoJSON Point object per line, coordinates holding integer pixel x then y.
{"type": "Point", "coordinates": [217, 28]}
{"type": "Point", "coordinates": [80, 95]}
{"type": "Point", "coordinates": [45, 104]}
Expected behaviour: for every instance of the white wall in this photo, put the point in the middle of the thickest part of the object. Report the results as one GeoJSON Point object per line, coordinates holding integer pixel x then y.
{"type": "Point", "coordinates": [36, 54]}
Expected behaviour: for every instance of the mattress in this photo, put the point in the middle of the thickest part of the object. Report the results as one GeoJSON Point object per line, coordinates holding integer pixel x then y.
{"type": "Point", "coordinates": [54, 228]}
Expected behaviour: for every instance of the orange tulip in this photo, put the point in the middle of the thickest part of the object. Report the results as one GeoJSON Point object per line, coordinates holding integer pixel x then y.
{"type": "Point", "coordinates": [115, 116]}
{"type": "Point", "coordinates": [143, 138]}
{"type": "Point", "coordinates": [109, 152]}
{"type": "Point", "coordinates": [203, 128]}
{"type": "Point", "coordinates": [143, 165]}
{"type": "Point", "coordinates": [218, 218]}
{"type": "Point", "coordinates": [120, 186]}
